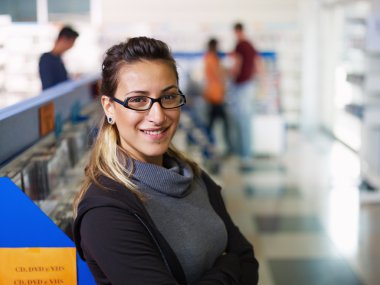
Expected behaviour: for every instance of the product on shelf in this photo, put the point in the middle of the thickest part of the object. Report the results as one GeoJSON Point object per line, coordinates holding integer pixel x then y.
{"type": "Point", "coordinates": [42, 174]}
{"type": "Point", "coordinates": [58, 164]}
{"type": "Point", "coordinates": [29, 178]}
{"type": "Point", "coordinates": [78, 142]}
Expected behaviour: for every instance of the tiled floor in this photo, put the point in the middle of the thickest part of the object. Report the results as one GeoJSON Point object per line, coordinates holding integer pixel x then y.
{"type": "Point", "coordinates": [303, 214]}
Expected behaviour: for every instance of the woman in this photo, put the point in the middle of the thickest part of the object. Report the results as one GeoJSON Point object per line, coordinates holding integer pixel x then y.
{"type": "Point", "coordinates": [146, 214]}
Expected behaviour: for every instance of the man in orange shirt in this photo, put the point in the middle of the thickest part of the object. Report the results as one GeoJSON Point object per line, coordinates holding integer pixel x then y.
{"type": "Point", "coordinates": [214, 90]}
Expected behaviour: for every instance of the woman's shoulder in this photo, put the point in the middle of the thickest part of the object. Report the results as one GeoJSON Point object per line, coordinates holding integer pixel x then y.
{"type": "Point", "coordinates": [210, 183]}
{"type": "Point", "coordinates": [107, 192]}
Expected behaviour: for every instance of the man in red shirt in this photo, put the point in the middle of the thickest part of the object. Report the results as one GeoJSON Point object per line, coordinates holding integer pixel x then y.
{"type": "Point", "coordinates": [244, 70]}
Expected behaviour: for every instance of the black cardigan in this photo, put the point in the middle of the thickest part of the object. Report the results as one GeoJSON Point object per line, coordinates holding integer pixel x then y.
{"type": "Point", "coordinates": [123, 246]}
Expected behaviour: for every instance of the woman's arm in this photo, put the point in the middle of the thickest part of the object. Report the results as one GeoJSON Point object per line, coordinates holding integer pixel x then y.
{"type": "Point", "coordinates": [118, 249]}
{"type": "Point", "coordinates": [237, 243]}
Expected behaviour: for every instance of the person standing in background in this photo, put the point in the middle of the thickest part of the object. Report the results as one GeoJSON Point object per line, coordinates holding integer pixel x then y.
{"type": "Point", "coordinates": [243, 72]}
{"type": "Point", "coordinates": [51, 68]}
{"type": "Point", "coordinates": [214, 91]}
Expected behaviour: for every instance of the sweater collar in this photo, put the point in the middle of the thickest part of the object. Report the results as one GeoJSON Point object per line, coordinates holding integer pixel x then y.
{"type": "Point", "coordinates": [173, 178]}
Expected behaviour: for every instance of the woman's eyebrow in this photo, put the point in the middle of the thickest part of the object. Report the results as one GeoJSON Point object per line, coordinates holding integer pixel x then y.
{"type": "Point", "coordinates": [142, 92]}
{"type": "Point", "coordinates": [169, 87]}
{"type": "Point", "coordinates": [138, 92]}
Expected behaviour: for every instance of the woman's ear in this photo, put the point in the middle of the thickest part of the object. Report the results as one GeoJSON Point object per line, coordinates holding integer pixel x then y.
{"type": "Point", "coordinates": [108, 106]}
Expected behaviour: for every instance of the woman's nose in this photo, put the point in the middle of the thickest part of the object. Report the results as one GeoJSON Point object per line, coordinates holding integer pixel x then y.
{"type": "Point", "coordinates": [156, 113]}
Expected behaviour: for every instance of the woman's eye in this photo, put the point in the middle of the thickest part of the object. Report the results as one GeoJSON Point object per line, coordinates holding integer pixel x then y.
{"type": "Point", "coordinates": [138, 99]}
{"type": "Point", "coordinates": [169, 96]}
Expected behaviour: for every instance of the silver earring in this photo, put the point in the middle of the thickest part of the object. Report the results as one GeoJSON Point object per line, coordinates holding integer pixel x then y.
{"type": "Point", "coordinates": [110, 120]}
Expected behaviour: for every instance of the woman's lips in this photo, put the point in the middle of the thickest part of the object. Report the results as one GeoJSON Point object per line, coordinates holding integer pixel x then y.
{"type": "Point", "coordinates": [156, 134]}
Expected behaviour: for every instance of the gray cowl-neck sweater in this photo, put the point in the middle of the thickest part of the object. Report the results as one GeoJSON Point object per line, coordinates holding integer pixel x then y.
{"type": "Point", "coordinates": [178, 203]}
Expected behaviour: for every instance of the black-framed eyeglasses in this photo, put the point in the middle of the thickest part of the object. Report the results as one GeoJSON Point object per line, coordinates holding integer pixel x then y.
{"type": "Point", "coordinates": [143, 103]}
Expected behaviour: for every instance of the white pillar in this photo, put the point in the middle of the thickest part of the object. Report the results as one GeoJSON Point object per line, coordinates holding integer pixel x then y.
{"type": "Point", "coordinates": [310, 66]}
{"type": "Point", "coordinates": [96, 12]}
{"type": "Point", "coordinates": [42, 11]}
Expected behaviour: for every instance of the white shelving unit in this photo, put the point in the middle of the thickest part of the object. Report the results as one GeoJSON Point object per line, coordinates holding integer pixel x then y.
{"type": "Point", "coordinates": [287, 44]}
{"type": "Point", "coordinates": [370, 151]}
{"type": "Point", "coordinates": [289, 65]}
{"type": "Point", "coordinates": [350, 75]}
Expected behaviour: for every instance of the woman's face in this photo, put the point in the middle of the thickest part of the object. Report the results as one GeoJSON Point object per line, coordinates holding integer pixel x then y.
{"type": "Point", "coordinates": [145, 135]}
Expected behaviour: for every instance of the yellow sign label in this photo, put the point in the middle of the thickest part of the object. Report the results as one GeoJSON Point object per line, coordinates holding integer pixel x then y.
{"type": "Point", "coordinates": [47, 119]}
{"type": "Point", "coordinates": [38, 266]}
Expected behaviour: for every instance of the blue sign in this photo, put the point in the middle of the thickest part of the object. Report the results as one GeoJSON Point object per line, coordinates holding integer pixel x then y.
{"type": "Point", "coordinates": [23, 224]}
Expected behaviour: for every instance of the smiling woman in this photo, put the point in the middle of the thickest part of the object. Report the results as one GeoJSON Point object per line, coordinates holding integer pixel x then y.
{"type": "Point", "coordinates": [145, 134]}
{"type": "Point", "coordinates": [162, 219]}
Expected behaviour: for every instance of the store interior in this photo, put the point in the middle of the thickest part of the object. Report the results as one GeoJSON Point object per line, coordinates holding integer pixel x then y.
{"type": "Point", "coordinates": [310, 205]}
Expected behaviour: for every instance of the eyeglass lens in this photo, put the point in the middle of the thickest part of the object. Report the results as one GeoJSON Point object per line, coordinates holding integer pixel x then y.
{"type": "Point", "coordinates": [144, 102]}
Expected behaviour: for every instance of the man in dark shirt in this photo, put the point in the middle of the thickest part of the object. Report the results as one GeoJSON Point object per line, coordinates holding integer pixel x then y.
{"type": "Point", "coordinates": [51, 68]}
{"type": "Point", "coordinates": [243, 73]}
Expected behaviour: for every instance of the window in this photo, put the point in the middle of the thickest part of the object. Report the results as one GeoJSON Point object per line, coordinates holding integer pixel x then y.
{"type": "Point", "coordinates": [20, 10]}
{"type": "Point", "coordinates": [60, 10]}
